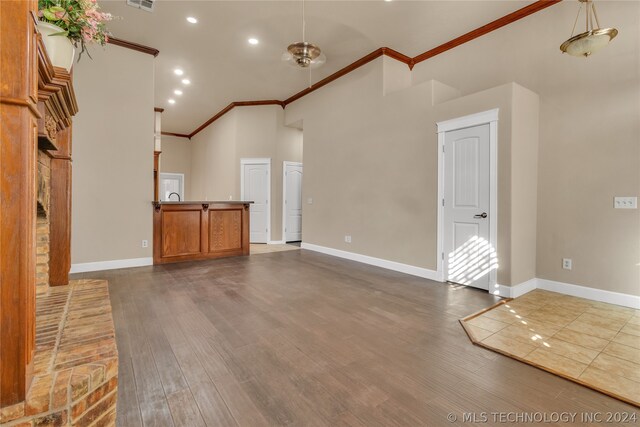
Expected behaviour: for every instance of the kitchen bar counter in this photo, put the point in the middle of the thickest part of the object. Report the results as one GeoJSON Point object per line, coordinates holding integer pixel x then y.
{"type": "Point", "coordinates": [196, 230]}
{"type": "Point", "coordinates": [210, 202]}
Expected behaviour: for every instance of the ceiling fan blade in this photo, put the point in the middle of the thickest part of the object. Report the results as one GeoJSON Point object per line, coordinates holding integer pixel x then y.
{"type": "Point", "coordinates": [319, 61]}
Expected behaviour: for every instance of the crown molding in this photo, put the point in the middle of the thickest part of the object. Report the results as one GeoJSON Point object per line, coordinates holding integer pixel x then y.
{"type": "Point", "coordinates": [177, 135]}
{"type": "Point", "coordinates": [486, 29]}
{"type": "Point", "coordinates": [409, 61]}
{"type": "Point", "coordinates": [230, 107]}
{"type": "Point", "coordinates": [133, 46]}
{"type": "Point", "coordinates": [346, 70]}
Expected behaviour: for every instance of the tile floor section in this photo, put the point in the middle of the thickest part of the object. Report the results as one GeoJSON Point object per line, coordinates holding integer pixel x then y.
{"type": "Point", "coordinates": [261, 248]}
{"type": "Point", "coordinates": [592, 343]}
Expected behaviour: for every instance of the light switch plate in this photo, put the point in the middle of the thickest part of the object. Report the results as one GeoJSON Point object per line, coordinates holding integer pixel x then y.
{"type": "Point", "coordinates": [625, 202]}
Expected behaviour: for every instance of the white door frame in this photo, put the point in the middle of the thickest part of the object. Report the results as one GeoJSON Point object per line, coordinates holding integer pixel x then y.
{"type": "Point", "coordinates": [174, 175]}
{"type": "Point", "coordinates": [490, 117]}
{"type": "Point", "coordinates": [284, 196]}
{"type": "Point", "coordinates": [258, 161]}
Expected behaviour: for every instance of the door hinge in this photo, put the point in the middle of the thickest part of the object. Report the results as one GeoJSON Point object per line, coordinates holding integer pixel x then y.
{"type": "Point", "coordinates": [443, 256]}
{"type": "Point", "coordinates": [443, 148]}
{"type": "Point", "coordinates": [442, 202]}
{"type": "Point", "coordinates": [266, 230]}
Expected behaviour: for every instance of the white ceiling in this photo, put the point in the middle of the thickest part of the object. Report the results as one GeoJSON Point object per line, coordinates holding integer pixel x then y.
{"type": "Point", "coordinates": [223, 67]}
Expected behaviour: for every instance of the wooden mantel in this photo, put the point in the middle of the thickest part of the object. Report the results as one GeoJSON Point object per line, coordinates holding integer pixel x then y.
{"type": "Point", "coordinates": [36, 99]}
{"type": "Point", "coordinates": [57, 104]}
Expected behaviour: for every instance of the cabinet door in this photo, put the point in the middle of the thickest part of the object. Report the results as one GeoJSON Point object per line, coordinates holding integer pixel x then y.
{"type": "Point", "coordinates": [225, 230]}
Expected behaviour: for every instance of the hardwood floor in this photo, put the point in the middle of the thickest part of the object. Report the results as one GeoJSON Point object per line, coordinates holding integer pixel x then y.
{"type": "Point", "coordinates": [300, 338]}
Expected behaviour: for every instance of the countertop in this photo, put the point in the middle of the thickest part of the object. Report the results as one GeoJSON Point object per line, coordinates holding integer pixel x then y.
{"type": "Point", "coordinates": [201, 202]}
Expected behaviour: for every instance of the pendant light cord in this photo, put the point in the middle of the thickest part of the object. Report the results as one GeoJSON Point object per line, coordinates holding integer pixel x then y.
{"type": "Point", "coordinates": [575, 22]}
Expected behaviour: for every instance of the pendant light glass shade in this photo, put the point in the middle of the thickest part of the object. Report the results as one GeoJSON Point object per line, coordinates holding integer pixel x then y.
{"type": "Point", "coordinates": [588, 43]}
{"type": "Point", "coordinates": [593, 39]}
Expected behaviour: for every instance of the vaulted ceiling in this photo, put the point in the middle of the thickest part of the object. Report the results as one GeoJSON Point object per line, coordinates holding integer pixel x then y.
{"type": "Point", "coordinates": [223, 67]}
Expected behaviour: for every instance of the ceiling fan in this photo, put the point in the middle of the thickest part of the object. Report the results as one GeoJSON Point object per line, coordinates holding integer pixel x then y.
{"type": "Point", "coordinates": [303, 54]}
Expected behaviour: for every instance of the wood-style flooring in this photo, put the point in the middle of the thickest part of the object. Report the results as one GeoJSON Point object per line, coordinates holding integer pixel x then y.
{"type": "Point", "coordinates": [299, 338]}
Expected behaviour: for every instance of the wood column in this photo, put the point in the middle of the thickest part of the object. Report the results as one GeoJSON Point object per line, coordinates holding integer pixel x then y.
{"type": "Point", "coordinates": [60, 211]}
{"type": "Point", "coordinates": [18, 156]}
{"type": "Point", "coordinates": [55, 92]}
{"type": "Point", "coordinates": [156, 175]}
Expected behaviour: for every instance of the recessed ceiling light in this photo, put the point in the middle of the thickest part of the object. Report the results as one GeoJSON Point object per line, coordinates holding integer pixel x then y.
{"type": "Point", "coordinates": [172, 101]}
{"type": "Point", "coordinates": [192, 20]}
{"type": "Point", "coordinates": [253, 41]}
{"type": "Point", "coordinates": [178, 72]}
{"type": "Point", "coordinates": [177, 92]}
{"type": "Point", "coordinates": [186, 81]}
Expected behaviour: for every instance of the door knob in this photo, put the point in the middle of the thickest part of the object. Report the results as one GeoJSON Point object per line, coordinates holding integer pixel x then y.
{"type": "Point", "coordinates": [482, 215]}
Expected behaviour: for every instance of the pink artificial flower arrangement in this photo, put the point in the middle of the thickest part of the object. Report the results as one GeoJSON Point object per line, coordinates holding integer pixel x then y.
{"type": "Point", "coordinates": [81, 21]}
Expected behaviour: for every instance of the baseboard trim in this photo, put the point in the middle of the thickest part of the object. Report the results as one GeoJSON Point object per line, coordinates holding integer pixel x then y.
{"type": "Point", "coordinates": [517, 290]}
{"type": "Point", "coordinates": [378, 262]}
{"type": "Point", "coordinates": [110, 265]}
{"type": "Point", "coordinates": [616, 298]}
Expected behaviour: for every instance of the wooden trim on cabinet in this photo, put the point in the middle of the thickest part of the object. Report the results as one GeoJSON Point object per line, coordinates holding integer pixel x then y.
{"type": "Point", "coordinates": [133, 46]}
{"type": "Point", "coordinates": [158, 110]}
{"type": "Point", "coordinates": [391, 53]}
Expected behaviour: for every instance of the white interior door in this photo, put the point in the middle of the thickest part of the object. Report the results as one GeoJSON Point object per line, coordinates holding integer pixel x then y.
{"type": "Point", "coordinates": [256, 186]}
{"type": "Point", "coordinates": [171, 187]}
{"type": "Point", "coordinates": [292, 202]}
{"type": "Point", "coordinates": [468, 254]}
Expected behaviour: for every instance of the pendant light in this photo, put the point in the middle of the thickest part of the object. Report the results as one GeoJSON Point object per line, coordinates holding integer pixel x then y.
{"type": "Point", "coordinates": [593, 39]}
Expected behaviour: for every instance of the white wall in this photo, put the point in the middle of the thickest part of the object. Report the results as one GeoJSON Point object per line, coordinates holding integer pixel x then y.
{"type": "Point", "coordinates": [589, 136]}
{"type": "Point", "coordinates": [113, 138]}
{"type": "Point", "coordinates": [176, 158]}
{"type": "Point", "coordinates": [244, 132]}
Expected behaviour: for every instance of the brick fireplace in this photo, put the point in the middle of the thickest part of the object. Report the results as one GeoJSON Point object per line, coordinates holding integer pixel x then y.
{"type": "Point", "coordinates": [58, 354]}
{"type": "Point", "coordinates": [42, 223]}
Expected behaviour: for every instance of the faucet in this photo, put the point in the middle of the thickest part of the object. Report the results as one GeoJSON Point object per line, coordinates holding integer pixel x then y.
{"type": "Point", "coordinates": [170, 194]}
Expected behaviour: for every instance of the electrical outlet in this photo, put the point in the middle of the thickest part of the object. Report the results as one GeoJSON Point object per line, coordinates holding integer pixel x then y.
{"type": "Point", "coordinates": [566, 263]}
{"type": "Point", "coordinates": [347, 239]}
{"type": "Point", "coordinates": [145, 243]}
{"type": "Point", "coordinates": [625, 202]}
{"type": "Point", "coordinates": [310, 201]}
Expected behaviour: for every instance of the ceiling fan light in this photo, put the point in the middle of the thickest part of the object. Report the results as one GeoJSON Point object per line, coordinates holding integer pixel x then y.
{"type": "Point", "coordinates": [589, 42]}
{"type": "Point", "coordinates": [304, 53]}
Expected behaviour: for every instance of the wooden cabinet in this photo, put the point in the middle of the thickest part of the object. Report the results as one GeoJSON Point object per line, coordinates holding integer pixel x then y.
{"type": "Point", "coordinates": [199, 230]}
